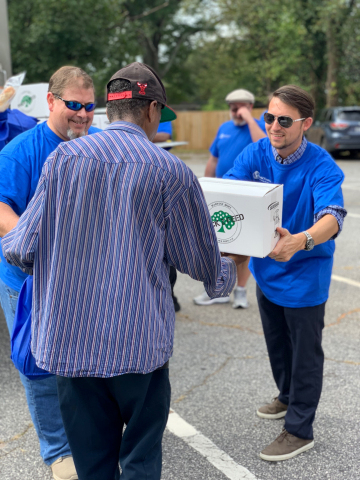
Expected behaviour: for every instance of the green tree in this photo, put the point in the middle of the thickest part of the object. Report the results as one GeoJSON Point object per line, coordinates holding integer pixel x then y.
{"type": "Point", "coordinates": [101, 37]}
{"type": "Point", "coordinates": [262, 45]}
{"type": "Point", "coordinates": [47, 35]}
{"type": "Point", "coordinates": [224, 219]}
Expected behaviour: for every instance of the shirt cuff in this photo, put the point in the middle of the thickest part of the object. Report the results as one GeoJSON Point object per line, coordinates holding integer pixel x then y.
{"type": "Point", "coordinates": [226, 281]}
{"type": "Point", "coordinates": [336, 211]}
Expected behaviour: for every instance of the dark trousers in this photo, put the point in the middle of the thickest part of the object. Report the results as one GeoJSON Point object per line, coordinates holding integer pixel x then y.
{"type": "Point", "coordinates": [293, 339]}
{"type": "Point", "coordinates": [94, 412]}
{"type": "Point", "coordinates": [172, 278]}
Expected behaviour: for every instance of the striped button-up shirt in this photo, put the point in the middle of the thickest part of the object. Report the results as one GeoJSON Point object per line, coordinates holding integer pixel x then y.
{"type": "Point", "coordinates": [111, 212]}
{"type": "Point", "coordinates": [338, 212]}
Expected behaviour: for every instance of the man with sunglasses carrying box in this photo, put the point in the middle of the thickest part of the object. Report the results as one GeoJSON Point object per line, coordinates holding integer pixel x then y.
{"type": "Point", "coordinates": [71, 100]}
{"type": "Point", "coordinates": [293, 281]}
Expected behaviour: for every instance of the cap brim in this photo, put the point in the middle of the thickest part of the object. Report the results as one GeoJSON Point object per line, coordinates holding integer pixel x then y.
{"type": "Point", "coordinates": [167, 114]}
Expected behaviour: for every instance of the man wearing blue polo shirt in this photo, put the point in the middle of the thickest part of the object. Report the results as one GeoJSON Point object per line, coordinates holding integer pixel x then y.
{"type": "Point", "coordinates": [293, 281]}
{"type": "Point", "coordinates": [233, 136]}
{"type": "Point", "coordinates": [164, 133]}
{"type": "Point", "coordinates": [71, 103]}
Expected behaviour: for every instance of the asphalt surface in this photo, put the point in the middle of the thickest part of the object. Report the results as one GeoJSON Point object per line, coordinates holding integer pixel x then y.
{"type": "Point", "coordinates": [220, 375]}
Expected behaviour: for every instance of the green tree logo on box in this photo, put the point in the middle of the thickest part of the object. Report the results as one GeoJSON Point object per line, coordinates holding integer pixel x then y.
{"type": "Point", "coordinates": [27, 102]}
{"type": "Point", "coordinates": [224, 219]}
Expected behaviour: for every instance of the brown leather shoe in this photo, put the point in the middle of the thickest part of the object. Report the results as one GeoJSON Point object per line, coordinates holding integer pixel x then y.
{"type": "Point", "coordinates": [273, 410]}
{"type": "Point", "coordinates": [285, 446]}
{"type": "Point", "coordinates": [64, 469]}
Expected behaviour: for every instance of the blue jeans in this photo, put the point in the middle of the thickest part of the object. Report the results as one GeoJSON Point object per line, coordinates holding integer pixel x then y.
{"type": "Point", "coordinates": [41, 395]}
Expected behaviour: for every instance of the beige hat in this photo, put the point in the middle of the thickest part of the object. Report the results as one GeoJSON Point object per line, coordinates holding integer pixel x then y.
{"type": "Point", "coordinates": [240, 95]}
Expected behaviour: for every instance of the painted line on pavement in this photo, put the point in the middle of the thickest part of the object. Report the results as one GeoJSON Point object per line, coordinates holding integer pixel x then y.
{"type": "Point", "coordinates": [348, 187]}
{"type": "Point", "coordinates": [203, 445]}
{"type": "Point", "coordinates": [354, 215]}
{"type": "Point", "coordinates": [345, 280]}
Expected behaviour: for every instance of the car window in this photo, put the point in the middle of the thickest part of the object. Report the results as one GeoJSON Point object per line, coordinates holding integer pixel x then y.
{"type": "Point", "coordinates": [322, 115]}
{"type": "Point", "coordinates": [329, 115]}
{"type": "Point", "coordinates": [350, 115]}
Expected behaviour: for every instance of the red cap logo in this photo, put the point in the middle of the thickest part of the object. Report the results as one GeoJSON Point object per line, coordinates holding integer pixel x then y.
{"type": "Point", "coordinates": [142, 88]}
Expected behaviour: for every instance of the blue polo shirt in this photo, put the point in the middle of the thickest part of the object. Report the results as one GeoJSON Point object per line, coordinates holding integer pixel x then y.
{"type": "Point", "coordinates": [311, 184]}
{"type": "Point", "coordinates": [21, 163]}
{"type": "Point", "coordinates": [12, 123]}
{"type": "Point", "coordinates": [229, 142]}
{"type": "Point", "coordinates": [165, 127]}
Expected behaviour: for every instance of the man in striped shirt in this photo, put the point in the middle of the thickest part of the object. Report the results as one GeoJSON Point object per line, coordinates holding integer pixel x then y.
{"type": "Point", "coordinates": [111, 214]}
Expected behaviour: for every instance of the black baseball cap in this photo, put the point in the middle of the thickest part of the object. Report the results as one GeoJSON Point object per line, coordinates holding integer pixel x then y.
{"type": "Point", "coordinates": [145, 84]}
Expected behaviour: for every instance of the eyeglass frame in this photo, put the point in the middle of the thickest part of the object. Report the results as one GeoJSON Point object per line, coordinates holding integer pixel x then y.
{"type": "Point", "coordinates": [276, 117]}
{"type": "Point", "coordinates": [82, 105]}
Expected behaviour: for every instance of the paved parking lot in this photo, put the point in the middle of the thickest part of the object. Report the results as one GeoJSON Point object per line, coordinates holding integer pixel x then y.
{"type": "Point", "coordinates": [220, 374]}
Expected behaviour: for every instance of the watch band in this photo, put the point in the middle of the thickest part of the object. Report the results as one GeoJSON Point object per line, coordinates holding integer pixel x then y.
{"type": "Point", "coordinates": [309, 245]}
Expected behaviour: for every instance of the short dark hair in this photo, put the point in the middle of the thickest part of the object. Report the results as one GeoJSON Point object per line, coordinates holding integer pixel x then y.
{"type": "Point", "coordinates": [68, 76]}
{"type": "Point", "coordinates": [296, 97]}
{"type": "Point", "coordinates": [128, 107]}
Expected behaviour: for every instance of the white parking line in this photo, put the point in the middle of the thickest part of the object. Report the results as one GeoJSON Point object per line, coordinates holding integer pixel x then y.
{"type": "Point", "coordinates": [354, 215]}
{"type": "Point", "coordinates": [345, 280]}
{"type": "Point", "coordinates": [219, 459]}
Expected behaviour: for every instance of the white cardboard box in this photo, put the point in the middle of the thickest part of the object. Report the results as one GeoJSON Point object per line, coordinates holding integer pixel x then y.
{"type": "Point", "coordinates": [245, 215]}
{"type": "Point", "coordinates": [31, 100]}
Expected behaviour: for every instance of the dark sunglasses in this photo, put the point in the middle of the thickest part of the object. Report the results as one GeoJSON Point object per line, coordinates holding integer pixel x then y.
{"type": "Point", "coordinates": [283, 120]}
{"type": "Point", "coordinates": [76, 106]}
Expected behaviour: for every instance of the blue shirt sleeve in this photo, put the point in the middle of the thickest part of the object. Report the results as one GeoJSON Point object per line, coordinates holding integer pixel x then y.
{"type": "Point", "coordinates": [326, 188]}
{"type": "Point", "coordinates": [214, 150]}
{"type": "Point", "coordinates": [165, 127]}
{"type": "Point", "coordinates": [242, 168]}
{"type": "Point", "coordinates": [20, 244]}
{"type": "Point", "coordinates": [4, 128]}
{"type": "Point", "coordinates": [12, 123]}
{"type": "Point", "coordinates": [338, 212]}
{"type": "Point", "coordinates": [15, 182]}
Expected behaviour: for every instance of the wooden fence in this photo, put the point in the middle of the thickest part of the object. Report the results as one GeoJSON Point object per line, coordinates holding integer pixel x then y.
{"type": "Point", "coordinates": [200, 128]}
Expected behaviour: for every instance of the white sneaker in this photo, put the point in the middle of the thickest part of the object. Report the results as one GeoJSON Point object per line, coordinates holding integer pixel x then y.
{"type": "Point", "coordinates": [240, 300]}
{"type": "Point", "coordinates": [204, 299]}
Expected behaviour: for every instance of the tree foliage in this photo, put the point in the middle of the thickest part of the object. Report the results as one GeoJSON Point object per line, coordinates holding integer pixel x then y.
{"type": "Point", "coordinates": [312, 43]}
{"type": "Point", "coordinates": [101, 37]}
{"type": "Point", "coordinates": [201, 48]}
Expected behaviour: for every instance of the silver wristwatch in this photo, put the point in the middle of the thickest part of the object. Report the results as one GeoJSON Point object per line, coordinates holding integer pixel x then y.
{"type": "Point", "coordinates": [310, 244]}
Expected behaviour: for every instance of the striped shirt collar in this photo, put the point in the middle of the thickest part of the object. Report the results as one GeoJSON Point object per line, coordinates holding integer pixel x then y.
{"type": "Point", "coordinates": [127, 127]}
{"type": "Point", "coordinates": [294, 156]}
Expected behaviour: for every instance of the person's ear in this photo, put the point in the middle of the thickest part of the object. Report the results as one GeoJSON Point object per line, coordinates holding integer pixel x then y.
{"type": "Point", "coordinates": [307, 123]}
{"type": "Point", "coordinates": [50, 100]}
{"type": "Point", "coordinates": [152, 112]}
